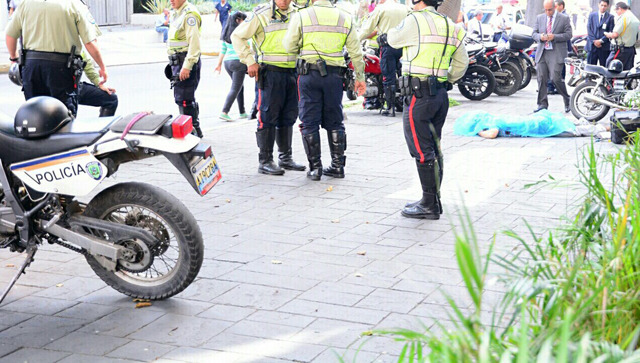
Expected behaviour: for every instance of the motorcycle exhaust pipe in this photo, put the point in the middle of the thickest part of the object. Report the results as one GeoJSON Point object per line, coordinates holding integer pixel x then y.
{"type": "Point", "coordinates": [602, 101]}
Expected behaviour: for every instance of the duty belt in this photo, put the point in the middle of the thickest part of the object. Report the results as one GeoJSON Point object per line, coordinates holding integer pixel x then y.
{"type": "Point", "coordinates": [330, 69]}
{"type": "Point", "coordinates": [177, 59]}
{"type": "Point", "coordinates": [48, 56]}
{"type": "Point", "coordinates": [272, 68]}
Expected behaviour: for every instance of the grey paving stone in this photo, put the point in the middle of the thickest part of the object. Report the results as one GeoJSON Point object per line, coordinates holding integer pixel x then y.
{"type": "Point", "coordinates": [263, 330]}
{"type": "Point", "coordinates": [13, 318]}
{"type": "Point", "coordinates": [206, 289]}
{"type": "Point", "coordinates": [349, 355]}
{"type": "Point", "coordinates": [331, 333]}
{"type": "Point", "coordinates": [39, 305]}
{"type": "Point", "coordinates": [86, 343]}
{"type": "Point", "coordinates": [391, 300]}
{"type": "Point", "coordinates": [275, 317]}
{"type": "Point", "coordinates": [325, 295]}
{"type": "Point", "coordinates": [31, 355]}
{"type": "Point", "coordinates": [256, 297]}
{"type": "Point", "coordinates": [73, 289]}
{"type": "Point", "coordinates": [123, 322]}
{"type": "Point", "coordinates": [39, 331]}
{"type": "Point", "coordinates": [344, 313]}
{"type": "Point", "coordinates": [181, 330]}
{"type": "Point", "coordinates": [212, 269]}
{"type": "Point", "coordinates": [83, 358]}
{"type": "Point", "coordinates": [85, 311]}
{"type": "Point", "coordinates": [6, 349]}
{"type": "Point", "coordinates": [285, 282]}
{"type": "Point", "coordinates": [279, 349]}
{"type": "Point", "coordinates": [180, 306]}
{"type": "Point", "coordinates": [41, 279]}
{"type": "Point", "coordinates": [142, 351]}
{"type": "Point", "coordinates": [226, 312]}
{"type": "Point", "coordinates": [195, 355]}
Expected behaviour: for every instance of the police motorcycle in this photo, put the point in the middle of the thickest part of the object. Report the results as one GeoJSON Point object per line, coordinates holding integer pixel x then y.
{"type": "Point", "coordinates": [139, 239]}
{"type": "Point", "coordinates": [519, 40]}
{"type": "Point", "coordinates": [598, 89]}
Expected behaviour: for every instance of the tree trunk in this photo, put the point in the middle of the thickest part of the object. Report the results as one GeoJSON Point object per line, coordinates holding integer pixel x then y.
{"type": "Point", "coordinates": [451, 8]}
{"type": "Point", "coordinates": [534, 8]}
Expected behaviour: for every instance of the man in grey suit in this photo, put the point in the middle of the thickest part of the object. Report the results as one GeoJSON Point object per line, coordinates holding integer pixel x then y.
{"type": "Point", "coordinates": [552, 31]}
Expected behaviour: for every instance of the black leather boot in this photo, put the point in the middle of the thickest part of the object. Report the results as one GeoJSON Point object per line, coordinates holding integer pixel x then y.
{"type": "Point", "coordinates": [266, 138]}
{"type": "Point", "coordinates": [440, 168]}
{"type": "Point", "coordinates": [337, 146]}
{"type": "Point", "coordinates": [194, 112]}
{"type": "Point", "coordinates": [107, 111]}
{"type": "Point", "coordinates": [390, 100]}
{"type": "Point", "coordinates": [312, 148]}
{"type": "Point", "coordinates": [284, 139]}
{"type": "Point", "coordinates": [429, 206]}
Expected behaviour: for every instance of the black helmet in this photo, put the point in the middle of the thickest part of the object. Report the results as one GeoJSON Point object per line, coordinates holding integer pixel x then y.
{"type": "Point", "coordinates": [615, 66]}
{"type": "Point", "coordinates": [14, 74]}
{"type": "Point", "coordinates": [434, 3]}
{"type": "Point", "coordinates": [40, 117]}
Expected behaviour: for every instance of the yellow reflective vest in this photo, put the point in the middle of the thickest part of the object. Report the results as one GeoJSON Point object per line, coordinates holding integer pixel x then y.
{"type": "Point", "coordinates": [436, 30]}
{"type": "Point", "coordinates": [270, 51]}
{"type": "Point", "coordinates": [324, 33]}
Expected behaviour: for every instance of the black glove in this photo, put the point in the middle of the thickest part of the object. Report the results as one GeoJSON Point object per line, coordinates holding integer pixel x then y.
{"type": "Point", "coordinates": [449, 86]}
{"type": "Point", "coordinates": [382, 40]}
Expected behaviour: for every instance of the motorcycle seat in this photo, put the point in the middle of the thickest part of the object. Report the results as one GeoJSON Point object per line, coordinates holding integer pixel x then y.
{"type": "Point", "coordinates": [77, 133]}
{"type": "Point", "coordinates": [604, 71]}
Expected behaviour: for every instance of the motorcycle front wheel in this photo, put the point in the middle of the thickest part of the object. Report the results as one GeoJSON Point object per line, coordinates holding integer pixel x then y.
{"type": "Point", "coordinates": [509, 79]}
{"type": "Point", "coordinates": [477, 83]}
{"type": "Point", "coordinates": [591, 111]}
{"type": "Point", "coordinates": [160, 271]}
{"type": "Point", "coordinates": [351, 95]}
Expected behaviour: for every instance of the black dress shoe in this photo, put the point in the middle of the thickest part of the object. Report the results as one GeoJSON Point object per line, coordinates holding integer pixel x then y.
{"type": "Point", "coordinates": [539, 109]}
{"type": "Point", "coordinates": [420, 211]}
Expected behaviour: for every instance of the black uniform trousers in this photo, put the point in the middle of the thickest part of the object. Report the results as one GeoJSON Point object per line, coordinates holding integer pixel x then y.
{"type": "Point", "coordinates": [389, 64]}
{"type": "Point", "coordinates": [320, 101]}
{"type": "Point", "coordinates": [49, 78]}
{"type": "Point", "coordinates": [90, 95]}
{"type": "Point", "coordinates": [278, 100]}
{"type": "Point", "coordinates": [421, 118]}
{"type": "Point", "coordinates": [598, 55]}
{"type": "Point", "coordinates": [624, 55]}
{"type": "Point", "coordinates": [184, 92]}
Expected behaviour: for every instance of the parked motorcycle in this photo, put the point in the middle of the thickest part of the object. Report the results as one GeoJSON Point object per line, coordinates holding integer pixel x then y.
{"type": "Point", "coordinates": [599, 89]}
{"type": "Point", "coordinates": [374, 95]}
{"type": "Point", "coordinates": [507, 73]}
{"type": "Point", "coordinates": [139, 239]}
{"type": "Point", "coordinates": [478, 81]}
{"type": "Point", "coordinates": [519, 40]}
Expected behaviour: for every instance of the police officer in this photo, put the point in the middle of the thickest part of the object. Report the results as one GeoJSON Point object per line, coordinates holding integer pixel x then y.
{"type": "Point", "coordinates": [51, 54]}
{"type": "Point", "coordinates": [277, 90]}
{"type": "Point", "coordinates": [94, 93]}
{"type": "Point", "coordinates": [184, 58]}
{"type": "Point", "coordinates": [387, 15]}
{"type": "Point", "coordinates": [434, 56]}
{"type": "Point", "coordinates": [319, 33]}
{"type": "Point", "coordinates": [625, 33]}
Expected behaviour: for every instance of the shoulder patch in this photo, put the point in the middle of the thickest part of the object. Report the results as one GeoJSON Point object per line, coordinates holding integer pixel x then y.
{"type": "Point", "coordinates": [192, 21]}
{"type": "Point", "coordinates": [250, 16]}
{"type": "Point", "coordinates": [401, 25]}
{"type": "Point", "coordinates": [90, 17]}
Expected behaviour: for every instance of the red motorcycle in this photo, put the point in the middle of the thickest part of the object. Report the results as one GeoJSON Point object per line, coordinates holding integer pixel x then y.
{"type": "Point", "coordinates": [374, 95]}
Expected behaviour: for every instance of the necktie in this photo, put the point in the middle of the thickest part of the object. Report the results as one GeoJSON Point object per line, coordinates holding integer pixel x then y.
{"type": "Point", "coordinates": [601, 16]}
{"type": "Point", "coordinates": [549, 30]}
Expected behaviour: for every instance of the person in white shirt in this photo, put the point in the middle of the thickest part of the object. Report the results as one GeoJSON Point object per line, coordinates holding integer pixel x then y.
{"type": "Point", "coordinates": [475, 26]}
{"type": "Point", "coordinates": [499, 24]}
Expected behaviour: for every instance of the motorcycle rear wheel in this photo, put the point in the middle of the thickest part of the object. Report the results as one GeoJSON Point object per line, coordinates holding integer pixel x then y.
{"type": "Point", "coordinates": [162, 214]}
{"type": "Point", "coordinates": [509, 84]}
{"type": "Point", "coordinates": [483, 77]}
{"type": "Point", "coordinates": [591, 111]}
{"type": "Point", "coordinates": [351, 95]}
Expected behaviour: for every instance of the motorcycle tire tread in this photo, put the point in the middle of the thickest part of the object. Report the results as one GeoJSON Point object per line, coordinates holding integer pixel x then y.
{"type": "Point", "coordinates": [175, 214]}
{"type": "Point", "coordinates": [515, 70]}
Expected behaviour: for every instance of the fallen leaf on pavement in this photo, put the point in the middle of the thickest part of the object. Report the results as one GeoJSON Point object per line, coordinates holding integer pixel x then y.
{"type": "Point", "coordinates": [141, 300]}
{"type": "Point", "coordinates": [330, 188]}
{"type": "Point", "coordinates": [11, 265]}
{"type": "Point", "coordinates": [276, 262]}
{"type": "Point", "coordinates": [367, 333]}
{"type": "Point", "coordinates": [228, 200]}
{"type": "Point", "coordinates": [362, 253]}
{"type": "Point", "coordinates": [359, 274]}
{"type": "Point", "coordinates": [59, 285]}
{"type": "Point", "coordinates": [335, 221]}
{"type": "Point", "coordinates": [143, 305]}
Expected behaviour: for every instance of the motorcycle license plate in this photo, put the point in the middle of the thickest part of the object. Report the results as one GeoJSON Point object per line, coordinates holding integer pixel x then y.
{"type": "Point", "coordinates": [206, 174]}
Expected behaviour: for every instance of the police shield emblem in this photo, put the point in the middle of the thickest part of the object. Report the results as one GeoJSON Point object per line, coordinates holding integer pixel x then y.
{"type": "Point", "coordinates": [94, 169]}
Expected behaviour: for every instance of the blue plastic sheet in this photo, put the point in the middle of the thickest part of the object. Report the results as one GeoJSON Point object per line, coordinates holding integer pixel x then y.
{"type": "Point", "coordinates": [541, 124]}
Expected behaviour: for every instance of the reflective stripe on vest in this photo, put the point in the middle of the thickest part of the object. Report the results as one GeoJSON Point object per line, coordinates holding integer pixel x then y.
{"type": "Point", "coordinates": [430, 60]}
{"type": "Point", "coordinates": [324, 33]}
{"type": "Point", "coordinates": [173, 44]}
{"type": "Point", "coordinates": [177, 42]}
{"type": "Point", "coordinates": [271, 50]}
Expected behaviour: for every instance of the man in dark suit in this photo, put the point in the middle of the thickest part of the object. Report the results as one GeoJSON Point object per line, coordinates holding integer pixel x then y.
{"type": "Point", "coordinates": [552, 30]}
{"type": "Point", "coordinates": [598, 45]}
{"type": "Point", "coordinates": [551, 88]}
